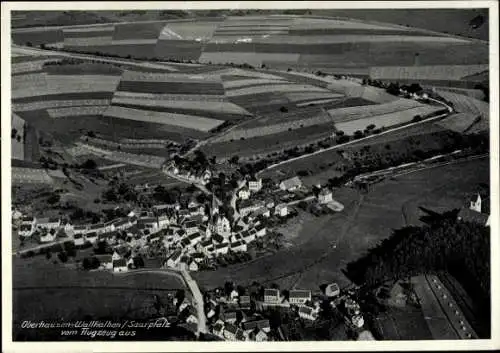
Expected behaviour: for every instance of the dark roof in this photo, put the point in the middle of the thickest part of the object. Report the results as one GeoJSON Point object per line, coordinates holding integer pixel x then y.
{"type": "Point", "coordinates": [120, 263]}
{"type": "Point", "coordinates": [251, 325]}
{"type": "Point", "coordinates": [468, 215]}
{"type": "Point", "coordinates": [260, 227]}
{"type": "Point", "coordinates": [25, 227]}
{"type": "Point", "coordinates": [217, 237]}
{"type": "Point", "coordinates": [194, 235]}
{"type": "Point", "coordinates": [104, 258]}
{"type": "Point", "coordinates": [175, 255]}
{"type": "Point", "coordinates": [97, 226]}
{"type": "Point", "coordinates": [229, 315]}
{"type": "Point", "coordinates": [300, 294]}
{"type": "Point", "coordinates": [220, 246]}
{"type": "Point", "coordinates": [75, 236]}
{"type": "Point", "coordinates": [239, 335]}
{"type": "Point", "coordinates": [53, 219]}
{"type": "Point", "coordinates": [244, 299]}
{"type": "Point", "coordinates": [120, 222]}
{"type": "Point", "coordinates": [28, 219]}
{"type": "Point", "coordinates": [306, 310]}
{"type": "Point", "coordinates": [91, 235]}
{"type": "Point", "coordinates": [185, 242]}
{"type": "Point", "coordinates": [237, 243]}
{"type": "Point", "coordinates": [206, 243]}
{"type": "Point", "coordinates": [190, 224]}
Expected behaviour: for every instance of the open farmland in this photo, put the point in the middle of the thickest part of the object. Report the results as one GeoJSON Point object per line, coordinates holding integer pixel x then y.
{"type": "Point", "coordinates": [185, 121]}
{"type": "Point", "coordinates": [385, 120]}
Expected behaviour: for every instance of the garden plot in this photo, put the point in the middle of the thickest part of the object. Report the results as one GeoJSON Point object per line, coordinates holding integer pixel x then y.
{"type": "Point", "coordinates": [181, 120]}
{"type": "Point", "coordinates": [274, 88]}
{"type": "Point", "coordinates": [436, 72]}
{"type": "Point", "coordinates": [385, 120]}
{"type": "Point", "coordinates": [46, 104]}
{"type": "Point", "coordinates": [17, 146]}
{"type": "Point", "coordinates": [214, 107]}
{"type": "Point", "coordinates": [77, 111]}
{"type": "Point", "coordinates": [198, 30]}
{"type": "Point", "coordinates": [250, 58]}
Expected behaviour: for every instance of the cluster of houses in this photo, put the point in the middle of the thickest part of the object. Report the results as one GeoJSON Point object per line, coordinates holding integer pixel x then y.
{"type": "Point", "coordinates": [230, 317]}
{"type": "Point", "coordinates": [201, 175]}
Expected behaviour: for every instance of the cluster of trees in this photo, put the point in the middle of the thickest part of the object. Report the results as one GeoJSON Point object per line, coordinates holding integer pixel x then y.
{"type": "Point", "coordinates": [460, 248]}
{"type": "Point", "coordinates": [119, 191]}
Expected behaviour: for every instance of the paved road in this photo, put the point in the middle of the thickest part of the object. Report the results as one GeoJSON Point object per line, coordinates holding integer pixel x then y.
{"type": "Point", "coordinates": [192, 286]}
{"type": "Point", "coordinates": [361, 139]}
{"type": "Point", "coordinates": [39, 247]}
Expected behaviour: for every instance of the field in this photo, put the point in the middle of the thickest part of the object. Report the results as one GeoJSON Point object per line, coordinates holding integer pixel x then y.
{"type": "Point", "coordinates": [276, 41]}
{"type": "Point", "coordinates": [18, 145]}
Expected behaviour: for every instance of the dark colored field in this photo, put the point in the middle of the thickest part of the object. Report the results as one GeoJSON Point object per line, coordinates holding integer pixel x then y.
{"type": "Point", "coordinates": [66, 96]}
{"type": "Point", "coordinates": [358, 31]}
{"type": "Point", "coordinates": [328, 48]}
{"type": "Point", "coordinates": [70, 129]}
{"type": "Point", "coordinates": [38, 37]}
{"type": "Point", "coordinates": [28, 58]}
{"type": "Point", "coordinates": [172, 87]}
{"type": "Point", "coordinates": [84, 69]}
{"type": "Point", "coordinates": [453, 21]}
{"type": "Point", "coordinates": [348, 102]}
{"type": "Point", "coordinates": [136, 51]}
{"type": "Point", "coordinates": [100, 33]}
{"type": "Point", "coordinates": [178, 50]}
{"type": "Point", "coordinates": [277, 117]}
{"type": "Point", "coordinates": [300, 79]}
{"type": "Point", "coordinates": [188, 111]}
{"type": "Point", "coordinates": [138, 30]}
{"type": "Point", "coordinates": [270, 143]}
{"type": "Point", "coordinates": [28, 72]}
{"type": "Point", "coordinates": [277, 83]}
{"type": "Point", "coordinates": [440, 83]}
{"type": "Point", "coordinates": [402, 324]}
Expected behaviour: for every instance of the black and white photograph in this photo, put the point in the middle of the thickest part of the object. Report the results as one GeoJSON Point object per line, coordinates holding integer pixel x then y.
{"type": "Point", "coordinates": [250, 174]}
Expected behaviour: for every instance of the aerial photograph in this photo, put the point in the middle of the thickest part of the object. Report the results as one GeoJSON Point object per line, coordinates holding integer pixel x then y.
{"type": "Point", "coordinates": [250, 175]}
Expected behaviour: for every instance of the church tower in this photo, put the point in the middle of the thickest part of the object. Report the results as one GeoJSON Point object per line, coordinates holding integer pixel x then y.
{"type": "Point", "coordinates": [476, 205]}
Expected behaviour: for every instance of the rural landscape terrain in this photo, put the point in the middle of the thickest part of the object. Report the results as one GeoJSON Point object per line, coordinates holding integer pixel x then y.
{"type": "Point", "coordinates": [250, 175]}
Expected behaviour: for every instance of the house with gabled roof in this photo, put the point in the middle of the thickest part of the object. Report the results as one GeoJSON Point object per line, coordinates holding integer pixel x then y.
{"type": "Point", "coordinates": [222, 248]}
{"type": "Point", "coordinates": [120, 265]}
{"type": "Point", "coordinates": [308, 313]}
{"type": "Point", "coordinates": [272, 296]}
{"type": "Point", "coordinates": [300, 297]}
{"type": "Point", "coordinates": [174, 259]}
{"type": "Point", "coordinates": [216, 237]}
{"type": "Point", "coordinates": [325, 196]}
{"type": "Point", "coordinates": [281, 210]}
{"type": "Point", "coordinates": [239, 246]}
{"type": "Point", "coordinates": [230, 331]}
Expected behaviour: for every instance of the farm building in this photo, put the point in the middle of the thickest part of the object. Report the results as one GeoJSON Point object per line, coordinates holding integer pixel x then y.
{"type": "Point", "coordinates": [281, 210]}
{"type": "Point", "coordinates": [308, 313]}
{"type": "Point", "coordinates": [244, 193]}
{"type": "Point", "coordinates": [332, 290]}
{"type": "Point", "coordinates": [255, 184]}
{"type": "Point", "coordinates": [272, 296]}
{"type": "Point", "coordinates": [48, 223]}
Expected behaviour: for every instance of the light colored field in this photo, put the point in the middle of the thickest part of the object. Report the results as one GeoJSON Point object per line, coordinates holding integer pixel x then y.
{"type": "Point", "coordinates": [42, 84]}
{"type": "Point", "coordinates": [168, 77]}
{"type": "Point", "coordinates": [385, 120]}
{"type": "Point", "coordinates": [435, 72]}
{"type": "Point", "coordinates": [17, 148]}
{"type": "Point", "coordinates": [76, 111]}
{"type": "Point", "coordinates": [93, 28]}
{"type": "Point", "coordinates": [88, 41]}
{"type": "Point", "coordinates": [254, 59]}
{"type": "Point", "coordinates": [189, 30]}
{"type": "Point", "coordinates": [458, 122]}
{"type": "Point", "coordinates": [305, 23]}
{"type": "Point", "coordinates": [474, 93]}
{"type": "Point", "coordinates": [320, 101]}
{"type": "Point", "coordinates": [134, 41]}
{"type": "Point", "coordinates": [23, 107]}
{"type": "Point", "coordinates": [356, 38]}
{"type": "Point", "coordinates": [249, 82]}
{"type": "Point", "coordinates": [274, 88]}
{"type": "Point", "coordinates": [171, 97]}
{"type": "Point", "coordinates": [370, 93]}
{"type": "Point", "coordinates": [27, 66]}
{"type": "Point", "coordinates": [30, 176]}
{"type": "Point", "coordinates": [182, 120]}
{"type": "Point", "coordinates": [223, 107]}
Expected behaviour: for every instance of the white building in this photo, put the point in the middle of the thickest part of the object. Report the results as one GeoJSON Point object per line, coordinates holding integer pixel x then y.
{"type": "Point", "coordinates": [221, 249]}
{"type": "Point", "coordinates": [48, 223]}
{"type": "Point", "coordinates": [308, 313]}
{"type": "Point", "coordinates": [325, 196]}
{"type": "Point", "coordinates": [244, 193]}
{"type": "Point", "coordinates": [299, 297]}
{"type": "Point", "coordinates": [174, 259]}
{"type": "Point", "coordinates": [281, 210]}
{"type": "Point", "coordinates": [223, 226]}
{"type": "Point", "coordinates": [48, 237]}
{"type": "Point", "coordinates": [239, 246]}
{"type": "Point", "coordinates": [120, 265]}
{"type": "Point", "coordinates": [272, 296]}
{"type": "Point", "coordinates": [255, 184]}
{"type": "Point", "coordinates": [79, 239]}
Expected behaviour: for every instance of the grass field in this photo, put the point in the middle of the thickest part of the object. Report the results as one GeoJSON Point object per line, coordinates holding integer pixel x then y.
{"type": "Point", "coordinates": [17, 146]}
